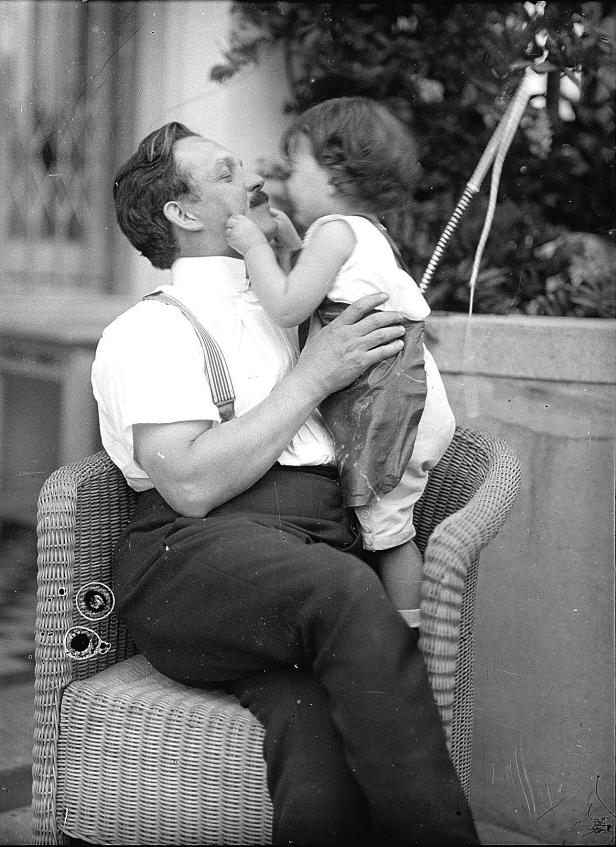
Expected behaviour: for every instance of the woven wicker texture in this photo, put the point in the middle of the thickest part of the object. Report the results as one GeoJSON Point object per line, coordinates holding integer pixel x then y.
{"type": "Point", "coordinates": [180, 761]}
{"type": "Point", "coordinates": [123, 755]}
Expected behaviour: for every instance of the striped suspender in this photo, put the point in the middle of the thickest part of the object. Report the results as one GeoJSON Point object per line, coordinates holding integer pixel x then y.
{"type": "Point", "coordinates": [216, 368]}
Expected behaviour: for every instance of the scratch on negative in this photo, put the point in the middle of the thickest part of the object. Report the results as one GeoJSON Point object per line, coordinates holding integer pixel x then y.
{"type": "Point", "coordinates": [562, 799]}
{"type": "Point", "coordinates": [365, 476]}
{"type": "Point", "coordinates": [278, 507]}
{"type": "Point", "coordinates": [511, 673]}
{"type": "Point", "coordinates": [523, 787]}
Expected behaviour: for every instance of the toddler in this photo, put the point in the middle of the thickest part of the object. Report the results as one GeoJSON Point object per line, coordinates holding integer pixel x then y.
{"type": "Point", "coordinates": [350, 161]}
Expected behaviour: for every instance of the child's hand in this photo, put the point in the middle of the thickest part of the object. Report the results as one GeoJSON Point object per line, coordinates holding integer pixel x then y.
{"type": "Point", "coordinates": [242, 233]}
{"type": "Point", "coordinates": [287, 236]}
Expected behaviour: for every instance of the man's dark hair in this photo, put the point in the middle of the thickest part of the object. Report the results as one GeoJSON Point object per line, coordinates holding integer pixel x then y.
{"type": "Point", "coordinates": [370, 154]}
{"type": "Point", "coordinates": [141, 188]}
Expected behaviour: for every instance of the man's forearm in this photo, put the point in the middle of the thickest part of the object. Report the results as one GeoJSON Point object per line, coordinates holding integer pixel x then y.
{"type": "Point", "coordinates": [225, 460]}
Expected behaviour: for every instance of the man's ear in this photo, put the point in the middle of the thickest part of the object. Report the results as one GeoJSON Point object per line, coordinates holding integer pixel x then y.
{"type": "Point", "coordinates": [174, 213]}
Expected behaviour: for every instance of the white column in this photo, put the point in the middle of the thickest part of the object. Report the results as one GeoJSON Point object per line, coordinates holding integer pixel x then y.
{"type": "Point", "coordinates": [179, 43]}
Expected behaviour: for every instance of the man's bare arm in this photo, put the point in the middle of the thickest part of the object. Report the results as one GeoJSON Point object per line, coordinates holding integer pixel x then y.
{"type": "Point", "coordinates": [196, 467]}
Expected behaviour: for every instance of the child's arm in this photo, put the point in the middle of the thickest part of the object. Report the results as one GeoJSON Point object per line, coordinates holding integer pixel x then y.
{"type": "Point", "coordinates": [291, 298]}
{"type": "Point", "coordinates": [287, 244]}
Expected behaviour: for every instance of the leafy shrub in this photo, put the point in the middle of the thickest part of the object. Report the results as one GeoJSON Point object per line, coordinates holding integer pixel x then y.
{"type": "Point", "coordinates": [448, 71]}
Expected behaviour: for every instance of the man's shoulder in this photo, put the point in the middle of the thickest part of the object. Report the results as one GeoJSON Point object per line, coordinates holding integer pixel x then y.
{"type": "Point", "coordinates": [146, 329]}
{"type": "Point", "coordinates": [145, 316]}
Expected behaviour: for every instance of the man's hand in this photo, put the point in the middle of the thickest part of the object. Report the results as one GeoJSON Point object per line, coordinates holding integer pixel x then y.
{"type": "Point", "coordinates": [242, 234]}
{"type": "Point", "coordinates": [358, 338]}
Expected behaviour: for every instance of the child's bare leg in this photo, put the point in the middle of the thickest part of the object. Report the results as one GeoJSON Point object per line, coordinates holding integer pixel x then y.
{"type": "Point", "coordinates": [400, 570]}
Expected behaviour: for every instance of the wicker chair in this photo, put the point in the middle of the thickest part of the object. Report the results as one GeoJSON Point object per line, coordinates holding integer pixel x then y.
{"type": "Point", "coordinates": [123, 755]}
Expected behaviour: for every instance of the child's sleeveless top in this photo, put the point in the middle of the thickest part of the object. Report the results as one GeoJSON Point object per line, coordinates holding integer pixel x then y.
{"type": "Point", "coordinates": [372, 267]}
{"type": "Point", "coordinates": [374, 420]}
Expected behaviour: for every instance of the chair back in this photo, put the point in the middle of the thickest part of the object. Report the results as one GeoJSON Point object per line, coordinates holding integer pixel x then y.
{"type": "Point", "coordinates": [467, 499]}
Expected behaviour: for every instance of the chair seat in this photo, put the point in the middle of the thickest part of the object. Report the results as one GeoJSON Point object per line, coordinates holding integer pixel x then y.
{"type": "Point", "coordinates": [145, 760]}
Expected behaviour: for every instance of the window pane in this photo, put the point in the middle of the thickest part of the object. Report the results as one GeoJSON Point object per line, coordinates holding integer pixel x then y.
{"type": "Point", "coordinates": [58, 59]}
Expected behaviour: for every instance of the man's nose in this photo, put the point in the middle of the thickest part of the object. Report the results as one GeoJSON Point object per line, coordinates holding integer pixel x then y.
{"type": "Point", "coordinates": [253, 182]}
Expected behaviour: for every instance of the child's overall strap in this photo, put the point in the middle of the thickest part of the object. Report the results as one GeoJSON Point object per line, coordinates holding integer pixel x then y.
{"type": "Point", "coordinates": [216, 368]}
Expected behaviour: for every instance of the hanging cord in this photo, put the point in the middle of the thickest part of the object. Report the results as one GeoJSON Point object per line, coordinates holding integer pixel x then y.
{"type": "Point", "coordinates": [500, 140]}
{"type": "Point", "coordinates": [495, 151]}
{"type": "Point", "coordinates": [518, 106]}
{"type": "Point", "coordinates": [472, 187]}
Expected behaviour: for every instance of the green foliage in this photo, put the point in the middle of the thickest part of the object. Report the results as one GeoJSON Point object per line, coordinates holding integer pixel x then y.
{"type": "Point", "coordinates": [448, 71]}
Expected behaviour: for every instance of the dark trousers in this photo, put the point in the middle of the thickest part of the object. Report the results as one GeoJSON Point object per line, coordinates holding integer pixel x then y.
{"type": "Point", "coordinates": [268, 597]}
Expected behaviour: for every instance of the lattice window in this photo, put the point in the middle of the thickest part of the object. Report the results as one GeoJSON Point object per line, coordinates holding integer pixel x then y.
{"type": "Point", "coordinates": [59, 64]}
{"type": "Point", "coordinates": [48, 181]}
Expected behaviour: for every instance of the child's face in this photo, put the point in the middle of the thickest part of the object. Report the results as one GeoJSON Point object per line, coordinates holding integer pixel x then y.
{"type": "Point", "coordinates": [308, 186]}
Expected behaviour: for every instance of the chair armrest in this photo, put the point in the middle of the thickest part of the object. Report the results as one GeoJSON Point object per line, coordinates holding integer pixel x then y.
{"type": "Point", "coordinates": [81, 509]}
{"type": "Point", "coordinates": [457, 541]}
{"type": "Point", "coordinates": [448, 594]}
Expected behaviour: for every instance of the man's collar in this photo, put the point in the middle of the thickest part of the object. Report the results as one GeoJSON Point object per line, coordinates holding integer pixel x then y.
{"type": "Point", "coordinates": [212, 274]}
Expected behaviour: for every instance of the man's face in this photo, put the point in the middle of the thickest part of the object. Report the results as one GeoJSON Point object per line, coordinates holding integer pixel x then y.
{"type": "Point", "coordinates": [226, 188]}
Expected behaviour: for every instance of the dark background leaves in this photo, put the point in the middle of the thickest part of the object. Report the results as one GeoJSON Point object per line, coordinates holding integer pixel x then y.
{"type": "Point", "coordinates": [448, 71]}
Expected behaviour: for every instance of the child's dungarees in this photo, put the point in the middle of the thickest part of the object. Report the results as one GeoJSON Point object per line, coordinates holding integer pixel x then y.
{"type": "Point", "coordinates": [393, 424]}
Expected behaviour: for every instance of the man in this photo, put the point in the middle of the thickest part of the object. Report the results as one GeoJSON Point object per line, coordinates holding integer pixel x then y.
{"type": "Point", "coordinates": [241, 569]}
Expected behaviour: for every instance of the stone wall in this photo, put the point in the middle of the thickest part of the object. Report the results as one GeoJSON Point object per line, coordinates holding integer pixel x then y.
{"type": "Point", "coordinates": [543, 750]}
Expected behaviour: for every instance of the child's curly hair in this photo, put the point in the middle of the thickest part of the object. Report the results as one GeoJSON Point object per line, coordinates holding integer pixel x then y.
{"type": "Point", "coordinates": [370, 154]}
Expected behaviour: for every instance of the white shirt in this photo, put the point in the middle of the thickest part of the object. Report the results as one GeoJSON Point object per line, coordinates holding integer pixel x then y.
{"type": "Point", "coordinates": [149, 365]}
{"type": "Point", "coordinates": [372, 268]}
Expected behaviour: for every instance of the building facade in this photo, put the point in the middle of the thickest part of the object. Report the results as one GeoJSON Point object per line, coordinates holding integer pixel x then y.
{"type": "Point", "coordinates": [81, 83]}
